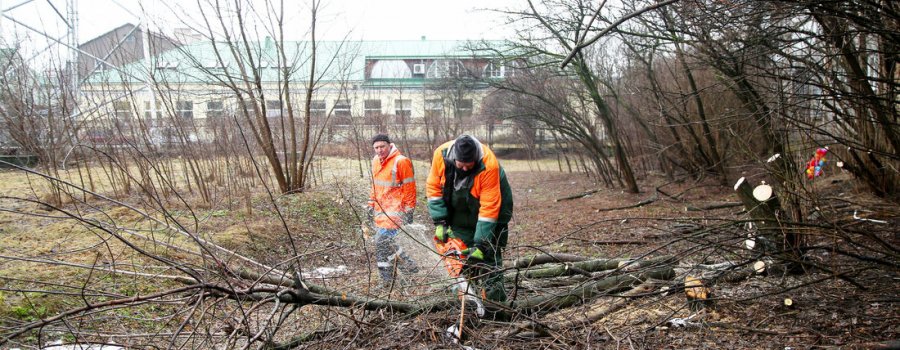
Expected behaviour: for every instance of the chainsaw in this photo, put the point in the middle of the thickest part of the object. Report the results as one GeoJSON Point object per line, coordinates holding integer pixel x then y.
{"type": "Point", "coordinates": [454, 260]}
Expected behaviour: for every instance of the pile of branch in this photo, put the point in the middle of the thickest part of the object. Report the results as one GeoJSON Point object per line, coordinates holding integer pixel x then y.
{"type": "Point", "coordinates": [553, 282]}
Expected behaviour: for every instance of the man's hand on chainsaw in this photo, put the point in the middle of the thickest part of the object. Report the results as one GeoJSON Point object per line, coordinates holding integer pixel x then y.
{"type": "Point", "coordinates": [476, 255]}
{"type": "Point", "coordinates": [442, 231]}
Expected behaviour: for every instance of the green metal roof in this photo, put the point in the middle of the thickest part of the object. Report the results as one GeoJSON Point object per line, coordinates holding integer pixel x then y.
{"type": "Point", "coordinates": [336, 60]}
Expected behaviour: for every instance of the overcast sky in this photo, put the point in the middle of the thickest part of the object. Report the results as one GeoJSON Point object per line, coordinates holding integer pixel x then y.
{"type": "Point", "coordinates": [363, 19]}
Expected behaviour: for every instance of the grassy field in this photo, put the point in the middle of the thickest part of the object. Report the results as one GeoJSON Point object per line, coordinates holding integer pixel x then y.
{"type": "Point", "coordinates": [112, 248]}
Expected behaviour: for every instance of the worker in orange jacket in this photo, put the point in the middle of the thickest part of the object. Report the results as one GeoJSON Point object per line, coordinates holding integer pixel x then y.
{"type": "Point", "coordinates": [392, 201]}
{"type": "Point", "coordinates": [470, 198]}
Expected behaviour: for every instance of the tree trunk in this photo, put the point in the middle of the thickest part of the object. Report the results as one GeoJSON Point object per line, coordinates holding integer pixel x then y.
{"type": "Point", "coordinates": [772, 238]}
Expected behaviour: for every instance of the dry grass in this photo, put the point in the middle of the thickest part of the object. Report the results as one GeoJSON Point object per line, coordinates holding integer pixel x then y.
{"type": "Point", "coordinates": [324, 222]}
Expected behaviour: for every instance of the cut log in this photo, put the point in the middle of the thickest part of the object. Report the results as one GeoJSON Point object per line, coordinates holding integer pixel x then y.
{"type": "Point", "coordinates": [541, 259]}
{"type": "Point", "coordinates": [763, 192]}
{"type": "Point", "coordinates": [588, 291]}
{"type": "Point", "coordinates": [721, 272]}
{"type": "Point", "coordinates": [697, 292]}
{"type": "Point", "coordinates": [694, 288]}
{"type": "Point", "coordinates": [759, 267]}
{"type": "Point", "coordinates": [770, 267]}
{"type": "Point", "coordinates": [575, 268]}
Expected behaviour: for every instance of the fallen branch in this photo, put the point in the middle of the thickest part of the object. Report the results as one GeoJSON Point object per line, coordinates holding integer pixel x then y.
{"type": "Point", "coordinates": [590, 290]}
{"type": "Point", "coordinates": [748, 329]}
{"type": "Point", "coordinates": [609, 242]}
{"type": "Point", "coordinates": [581, 195]}
{"type": "Point", "coordinates": [636, 205]}
{"type": "Point", "coordinates": [714, 206]}
{"type": "Point", "coordinates": [595, 313]}
{"type": "Point", "coordinates": [547, 258]}
{"type": "Point", "coordinates": [574, 268]}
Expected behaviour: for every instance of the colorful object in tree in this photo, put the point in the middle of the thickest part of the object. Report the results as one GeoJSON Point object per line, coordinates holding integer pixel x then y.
{"type": "Point", "coordinates": [815, 165]}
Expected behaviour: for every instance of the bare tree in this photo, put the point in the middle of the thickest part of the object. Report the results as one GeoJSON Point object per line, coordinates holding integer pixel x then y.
{"type": "Point", "coordinates": [560, 28]}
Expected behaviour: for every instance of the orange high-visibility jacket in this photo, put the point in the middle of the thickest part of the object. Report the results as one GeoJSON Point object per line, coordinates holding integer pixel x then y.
{"type": "Point", "coordinates": [485, 187]}
{"type": "Point", "coordinates": [393, 190]}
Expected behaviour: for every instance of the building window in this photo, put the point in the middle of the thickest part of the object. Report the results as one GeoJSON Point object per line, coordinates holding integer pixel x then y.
{"type": "Point", "coordinates": [342, 108]}
{"type": "Point", "coordinates": [391, 69]}
{"type": "Point", "coordinates": [372, 111]}
{"type": "Point", "coordinates": [403, 110]}
{"type": "Point", "coordinates": [273, 108]}
{"type": "Point", "coordinates": [317, 109]}
{"type": "Point", "coordinates": [215, 109]}
{"type": "Point", "coordinates": [372, 107]}
{"type": "Point", "coordinates": [445, 69]}
{"type": "Point", "coordinates": [250, 107]}
{"type": "Point", "coordinates": [464, 108]}
{"type": "Point", "coordinates": [184, 109]}
{"type": "Point", "coordinates": [342, 112]}
{"type": "Point", "coordinates": [122, 110]}
{"type": "Point", "coordinates": [494, 70]}
{"type": "Point", "coordinates": [159, 109]}
{"type": "Point", "coordinates": [434, 108]}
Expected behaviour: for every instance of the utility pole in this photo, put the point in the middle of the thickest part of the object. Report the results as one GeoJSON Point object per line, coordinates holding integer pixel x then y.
{"type": "Point", "coordinates": [145, 42]}
{"type": "Point", "coordinates": [72, 41]}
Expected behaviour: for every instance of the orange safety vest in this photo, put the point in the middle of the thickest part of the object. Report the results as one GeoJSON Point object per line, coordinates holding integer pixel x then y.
{"type": "Point", "coordinates": [485, 187]}
{"type": "Point", "coordinates": [393, 189]}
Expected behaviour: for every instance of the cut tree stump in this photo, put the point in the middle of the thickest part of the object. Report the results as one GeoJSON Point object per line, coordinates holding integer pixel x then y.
{"type": "Point", "coordinates": [772, 238]}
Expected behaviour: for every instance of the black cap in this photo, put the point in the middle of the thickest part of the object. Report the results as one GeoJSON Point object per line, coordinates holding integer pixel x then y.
{"type": "Point", "coordinates": [466, 149]}
{"type": "Point", "coordinates": [381, 137]}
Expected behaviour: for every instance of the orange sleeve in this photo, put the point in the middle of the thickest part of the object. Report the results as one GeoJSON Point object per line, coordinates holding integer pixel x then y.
{"type": "Point", "coordinates": [407, 177]}
{"type": "Point", "coordinates": [489, 197]}
{"type": "Point", "coordinates": [434, 190]}
{"type": "Point", "coordinates": [435, 182]}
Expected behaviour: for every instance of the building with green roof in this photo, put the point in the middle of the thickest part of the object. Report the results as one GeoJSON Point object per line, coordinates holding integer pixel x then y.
{"type": "Point", "coordinates": [378, 85]}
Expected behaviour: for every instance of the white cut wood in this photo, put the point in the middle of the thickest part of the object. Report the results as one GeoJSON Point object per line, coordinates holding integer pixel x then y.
{"type": "Point", "coordinates": [759, 267]}
{"type": "Point", "coordinates": [750, 243]}
{"type": "Point", "coordinates": [762, 192]}
{"type": "Point", "coordinates": [738, 183]}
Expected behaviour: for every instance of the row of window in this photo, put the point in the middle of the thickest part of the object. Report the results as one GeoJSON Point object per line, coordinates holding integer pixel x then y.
{"type": "Point", "coordinates": [382, 69]}
{"type": "Point", "coordinates": [341, 108]}
{"type": "Point", "coordinates": [400, 69]}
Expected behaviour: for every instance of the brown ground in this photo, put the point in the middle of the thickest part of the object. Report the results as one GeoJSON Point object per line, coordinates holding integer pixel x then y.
{"type": "Point", "coordinates": [856, 310]}
{"type": "Point", "coordinates": [827, 312]}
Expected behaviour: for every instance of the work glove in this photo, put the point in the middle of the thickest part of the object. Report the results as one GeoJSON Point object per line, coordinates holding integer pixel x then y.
{"type": "Point", "coordinates": [474, 254]}
{"type": "Point", "coordinates": [477, 253]}
{"type": "Point", "coordinates": [408, 217]}
{"type": "Point", "coordinates": [442, 232]}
